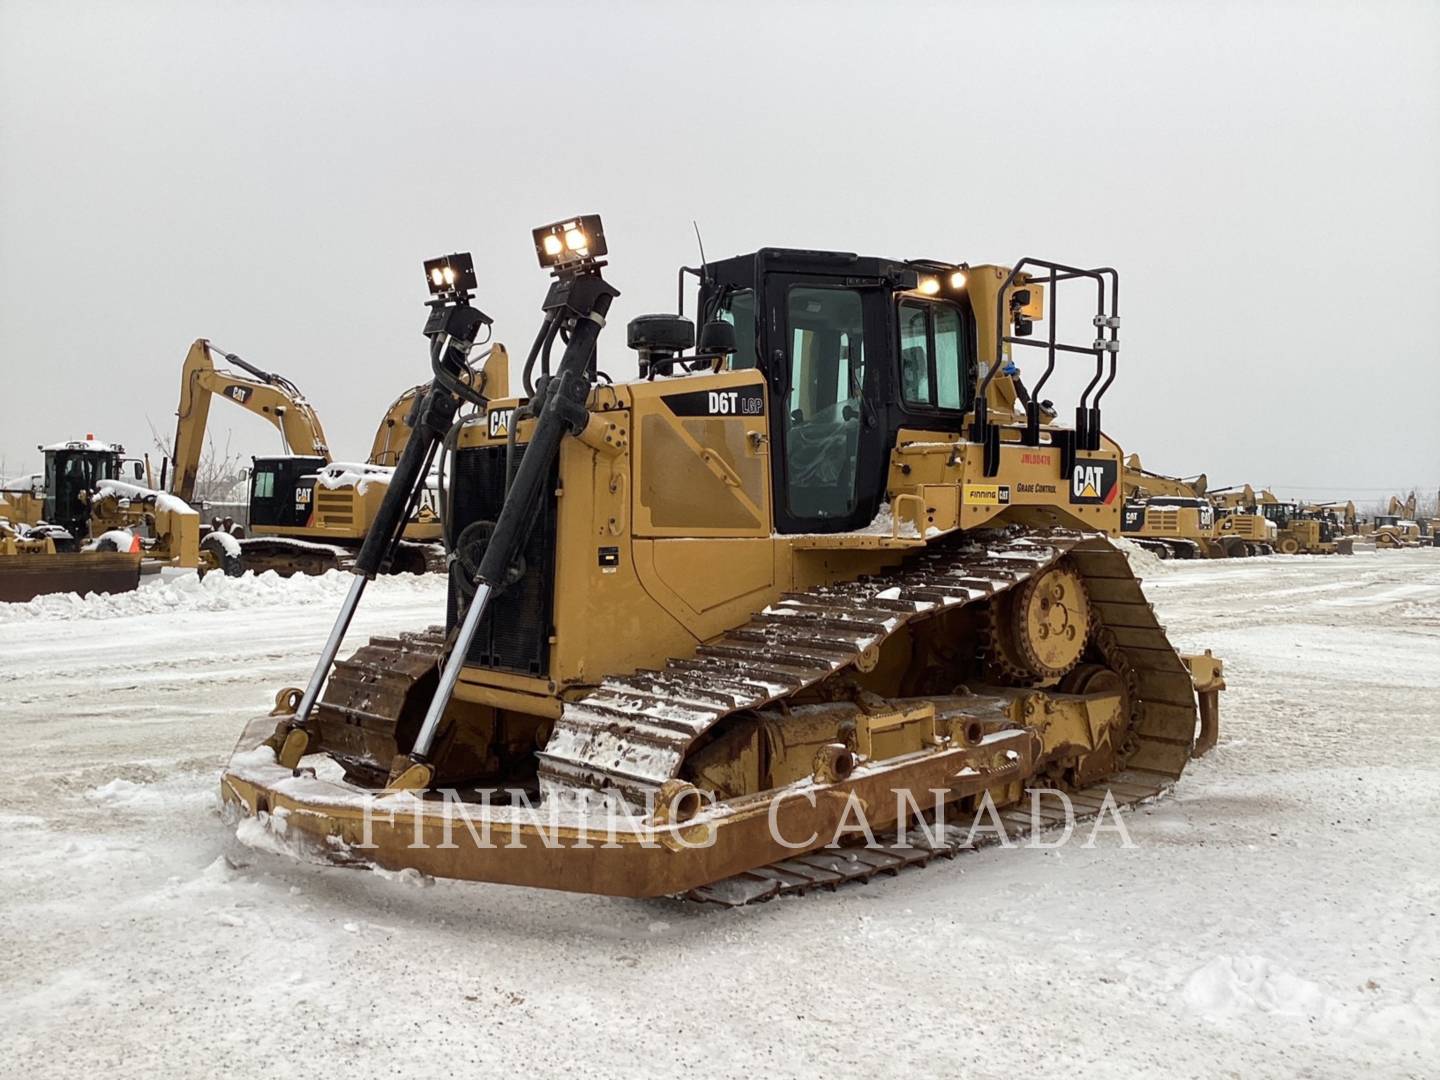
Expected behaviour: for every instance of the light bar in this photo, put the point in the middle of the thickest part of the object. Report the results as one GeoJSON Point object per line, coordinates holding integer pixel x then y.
{"type": "Point", "coordinates": [575, 240]}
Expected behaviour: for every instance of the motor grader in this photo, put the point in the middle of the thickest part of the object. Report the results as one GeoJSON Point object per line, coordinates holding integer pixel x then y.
{"type": "Point", "coordinates": [825, 561]}
{"type": "Point", "coordinates": [92, 496]}
{"type": "Point", "coordinates": [31, 566]}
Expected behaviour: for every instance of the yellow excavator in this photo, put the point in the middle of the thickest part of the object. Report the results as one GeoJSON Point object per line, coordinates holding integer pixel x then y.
{"type": "Point", "coordinates": [823, 567]}
{"type": "Point", "coordinates": [1181, 519]}
{"type": "Point", "coordinates": [307, 512]}
{"type": "Point", "coordinates": [1238, 515]}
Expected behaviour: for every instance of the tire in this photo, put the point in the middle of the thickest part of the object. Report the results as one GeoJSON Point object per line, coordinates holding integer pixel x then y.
{"type": "Point", "coordinates": [230, 565]}
{"type": "Point", "coordinates": [1235, 548]}
{"type": "Point", "coordinates": [1289, 546]}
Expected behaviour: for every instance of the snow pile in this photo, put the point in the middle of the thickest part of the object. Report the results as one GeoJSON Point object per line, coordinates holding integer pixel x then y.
{"type": "Point", "coordinates": [214, 592]}
{"type": "Point", "coordinates": [344, 474]}
{"type": "Point", "coordinates": [1144, 563]}
{"type": "Point", "coordinates": [1232, 987]}
{"type": "Point", "coordinates": [129, 795]}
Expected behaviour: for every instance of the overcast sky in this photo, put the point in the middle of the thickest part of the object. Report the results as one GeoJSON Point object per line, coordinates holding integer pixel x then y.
{"type": "Point", "coordinates": [1266, 177]}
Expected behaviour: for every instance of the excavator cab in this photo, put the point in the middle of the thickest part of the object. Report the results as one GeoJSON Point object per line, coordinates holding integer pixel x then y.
{"type": "Point", "coordinates": [282, 489]}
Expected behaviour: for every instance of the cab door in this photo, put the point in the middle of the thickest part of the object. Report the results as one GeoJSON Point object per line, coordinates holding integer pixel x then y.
{"type": "Point", "coordinates": [826, 358]}
{"type": "Point", "coordinates": [280, 497]}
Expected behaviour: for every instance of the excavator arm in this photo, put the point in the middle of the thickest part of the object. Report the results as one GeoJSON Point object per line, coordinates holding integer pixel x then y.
{"type": "Point", "coordinates": [1240, 497]}
{"type": "Point", "coordinates": [263, 393]}
{"type": "Point", "coordinates": [1140, 482]}
{"type": "Point", "coordinates": [394, 430]}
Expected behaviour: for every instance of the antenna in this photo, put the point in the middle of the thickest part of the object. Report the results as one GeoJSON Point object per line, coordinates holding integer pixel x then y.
{"type": "Point", "coordinates": [704, 266]}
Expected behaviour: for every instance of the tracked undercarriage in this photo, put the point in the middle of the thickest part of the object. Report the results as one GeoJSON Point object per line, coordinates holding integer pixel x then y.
{"type": "Point", "coordinates": [728, 759]}
{"type": "Point", "coordinates": [288, 556]}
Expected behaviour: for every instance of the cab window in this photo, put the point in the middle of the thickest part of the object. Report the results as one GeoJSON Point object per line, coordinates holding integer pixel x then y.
{"type": "Point", "coordinates": [738, 309]}
{"type": "Point", "coordinates": [264, 484]}
{"type": "Point", "coordinates": [822, 416]}
{"type": "Point", "coordinates": [934, 367]}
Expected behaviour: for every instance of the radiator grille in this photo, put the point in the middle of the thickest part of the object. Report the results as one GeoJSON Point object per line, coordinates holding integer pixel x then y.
{"type": "Point", "coordinates": [335, 507]}
{"type": "Point", "coordinates": [515, 632]}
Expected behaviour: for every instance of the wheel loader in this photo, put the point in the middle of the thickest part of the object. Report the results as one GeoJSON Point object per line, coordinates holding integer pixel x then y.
{"type": "Point", "coordinates": [1304, 530]}
{"type": "Point", "coordinates": [820, 576]}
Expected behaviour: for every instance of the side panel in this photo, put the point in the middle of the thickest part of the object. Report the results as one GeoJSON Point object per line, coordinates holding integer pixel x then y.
{"type": "Point", "coordinates": [701, 457]}
{"type": "Point", "coordinates": [515, 634]}
{"type": "Point", "coordinates": [1028, 488]}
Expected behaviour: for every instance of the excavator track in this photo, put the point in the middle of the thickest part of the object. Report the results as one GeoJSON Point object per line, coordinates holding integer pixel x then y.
{"type": "Point", "coordinates": [288, 556]}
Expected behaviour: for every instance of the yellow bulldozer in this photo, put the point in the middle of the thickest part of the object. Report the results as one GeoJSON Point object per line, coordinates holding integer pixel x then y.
{"type": "Point", "coordinates": [825, 565]}
{"type": "Point", "coordinates": [307, 513]}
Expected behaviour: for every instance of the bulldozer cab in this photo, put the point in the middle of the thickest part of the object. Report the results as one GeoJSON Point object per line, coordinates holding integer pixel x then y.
{"type": "Point", "coordinates": [72, 471]}
{"type": "Point", "coordinates": [851, 352]}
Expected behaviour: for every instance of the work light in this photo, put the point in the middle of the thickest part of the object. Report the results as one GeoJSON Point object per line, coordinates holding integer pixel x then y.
{"type": "Point", "coordinates": [450, 274]}
{"type": "Point", "coordinates": [576, 240]}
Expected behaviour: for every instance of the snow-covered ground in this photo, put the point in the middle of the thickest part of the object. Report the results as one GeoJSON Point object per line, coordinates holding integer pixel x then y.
{"type": "Point", "coordinates": [1279, 914]}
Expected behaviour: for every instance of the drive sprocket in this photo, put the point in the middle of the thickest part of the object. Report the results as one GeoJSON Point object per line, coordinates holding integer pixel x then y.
{"type": "Point", "coordinates": [1038, 630]}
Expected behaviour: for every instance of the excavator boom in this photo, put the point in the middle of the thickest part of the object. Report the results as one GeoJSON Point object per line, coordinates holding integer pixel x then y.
{"type": "Point", "coordinates": [268, 395]}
